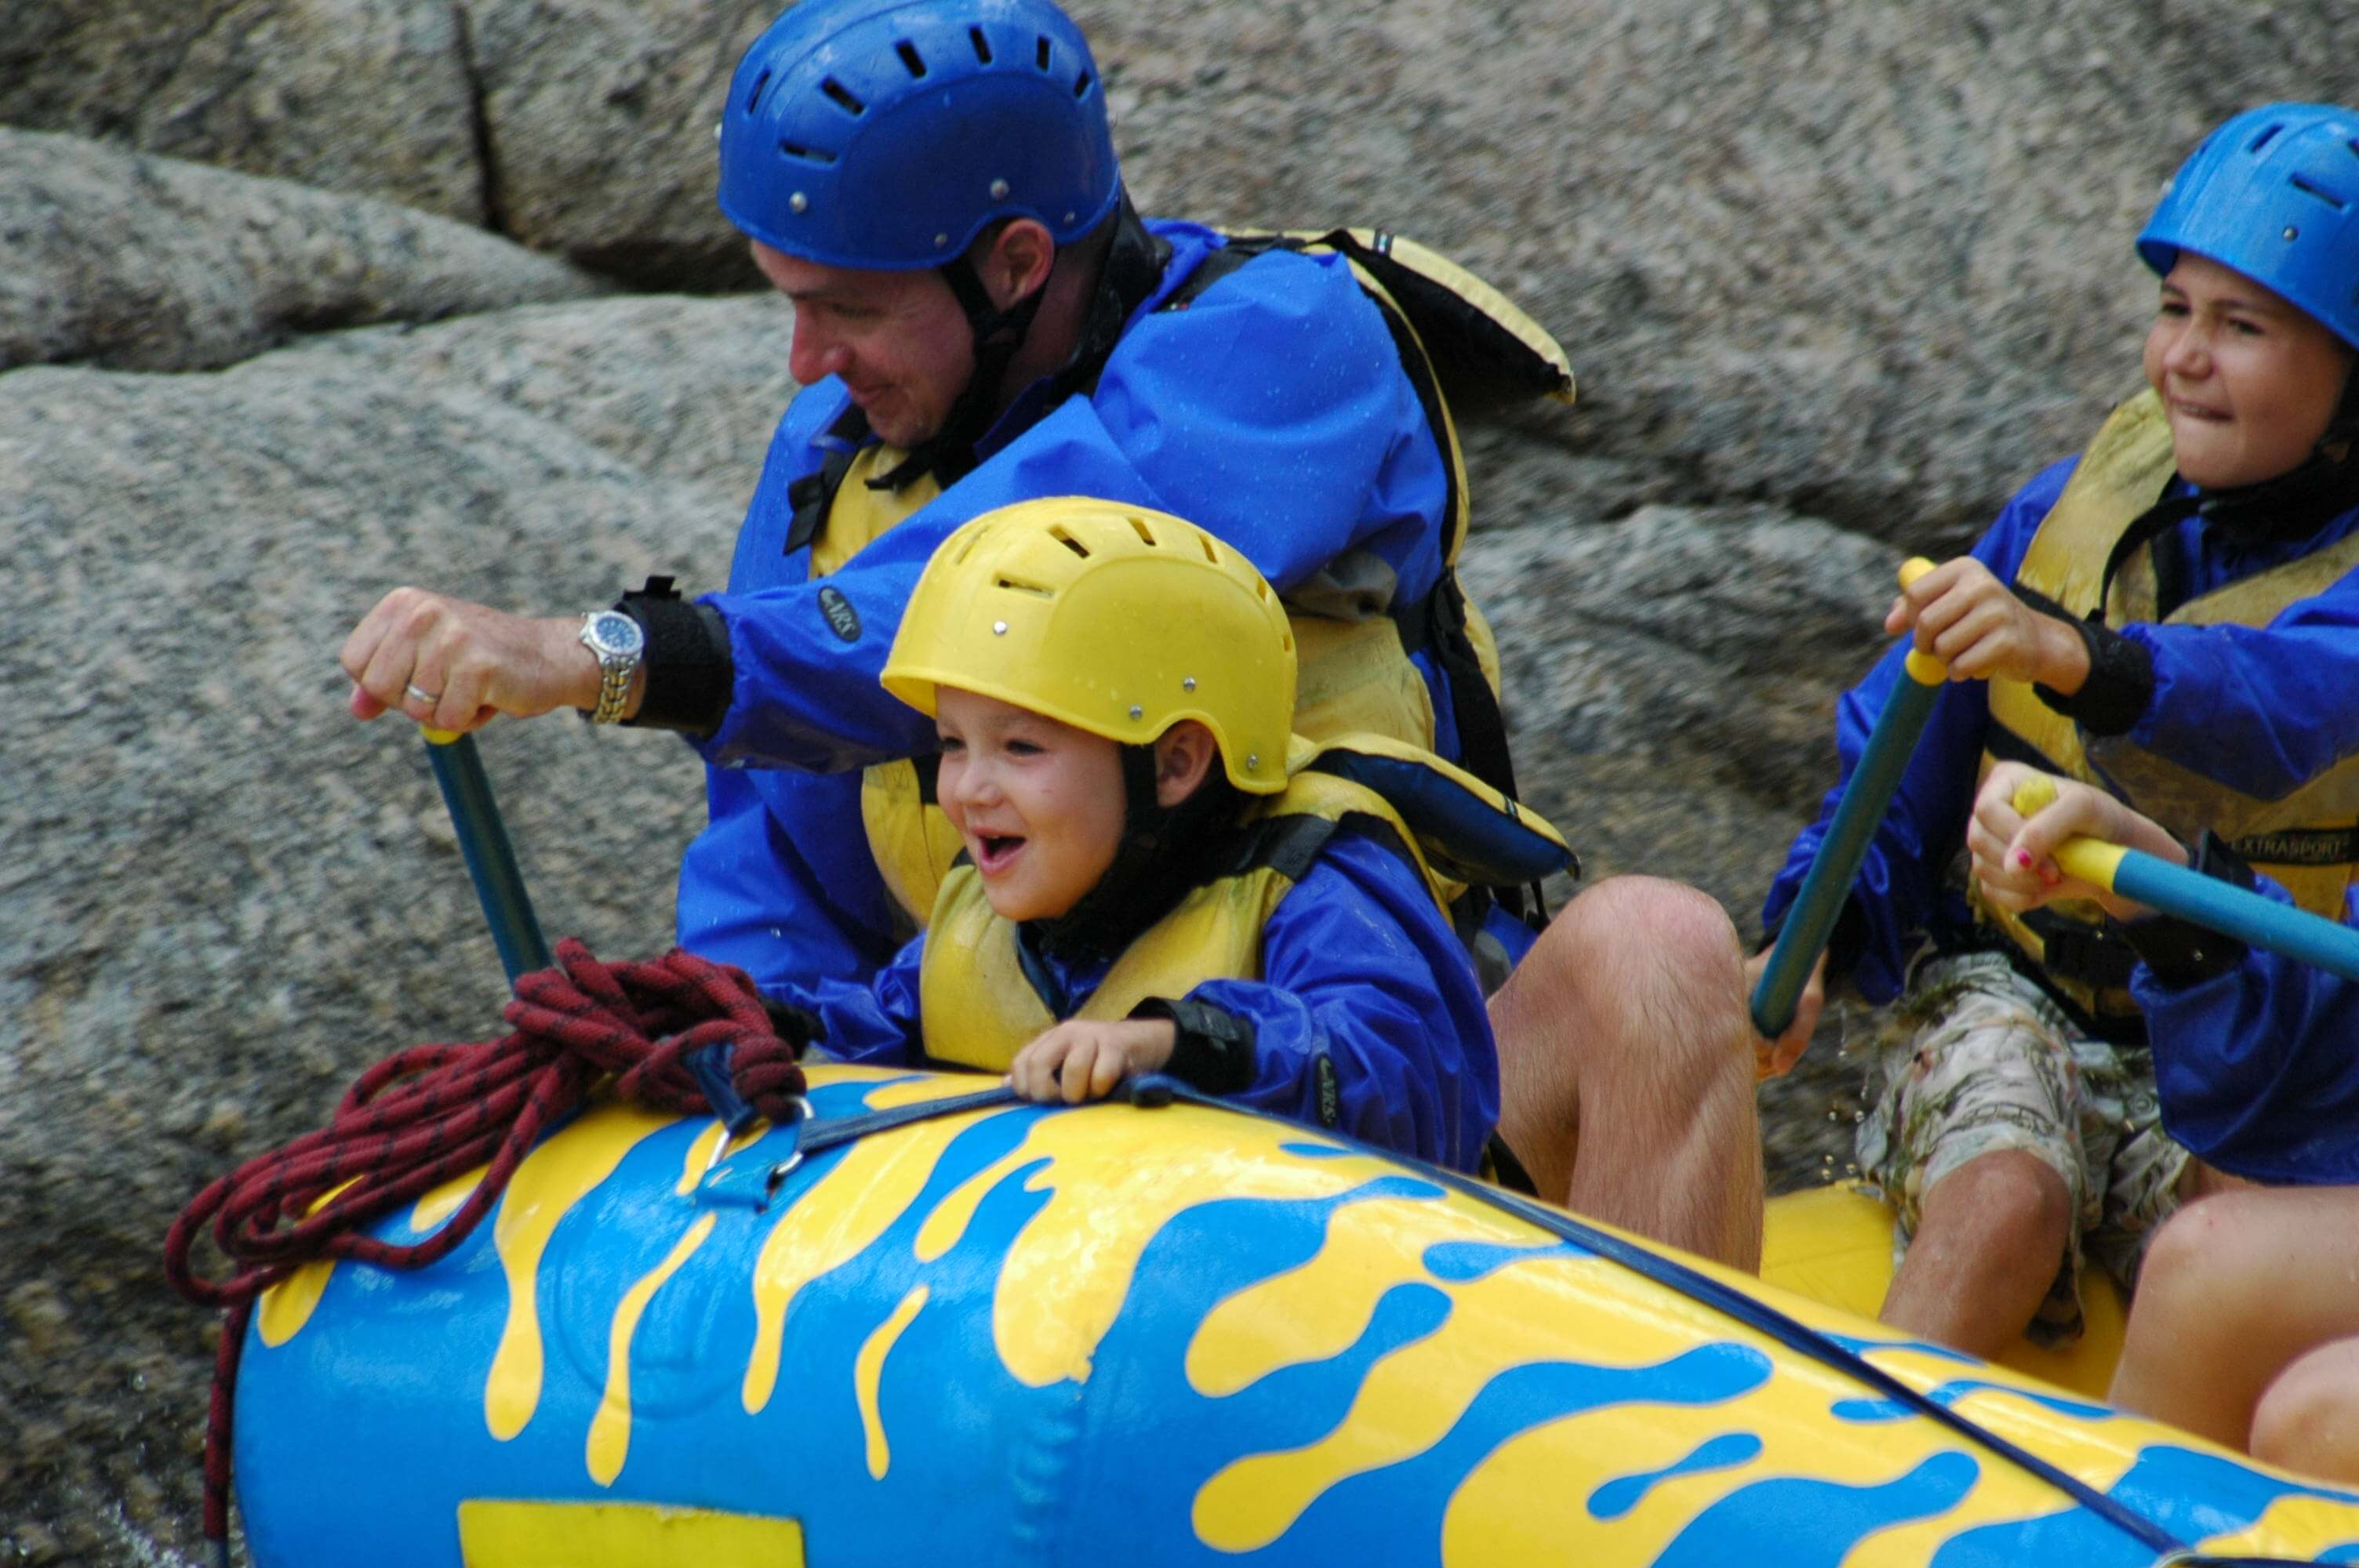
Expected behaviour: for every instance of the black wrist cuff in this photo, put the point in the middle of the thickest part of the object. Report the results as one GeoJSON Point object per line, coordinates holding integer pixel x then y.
{"type": "Point", "coordinates": [1214, 1051]}
{"type": "Point", "coordinates": [2120, 685]}
{"type": "Point", "coordinates": [690, 674]}
{"type": "Point", "coordinates": [2179, 952]}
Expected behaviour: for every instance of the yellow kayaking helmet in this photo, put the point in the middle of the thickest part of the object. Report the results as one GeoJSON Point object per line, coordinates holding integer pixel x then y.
{"type": "Point", "coordinates": [1115, 619]}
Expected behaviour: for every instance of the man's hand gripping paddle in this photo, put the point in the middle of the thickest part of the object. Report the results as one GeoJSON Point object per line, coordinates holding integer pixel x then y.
{"type": "Point", "coordinates": [1811, 920]}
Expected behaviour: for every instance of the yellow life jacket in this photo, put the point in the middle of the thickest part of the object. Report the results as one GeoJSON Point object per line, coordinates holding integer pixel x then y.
{"type": "Point", "coordinates": [978, 1008]}
{"type": "Point", "coordinates": [2303, 840]}
{"type": "Point", "coordinates": [1355, 674]}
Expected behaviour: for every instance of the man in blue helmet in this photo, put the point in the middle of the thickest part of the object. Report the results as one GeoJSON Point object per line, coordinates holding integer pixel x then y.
{"type": "Point", "coordinates": [2172, 617]}
{"type": "Point", "coordinates": [982, 319]}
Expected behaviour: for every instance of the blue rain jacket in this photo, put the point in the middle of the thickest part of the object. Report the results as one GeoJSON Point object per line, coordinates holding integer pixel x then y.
{"type": "Point", "coordinates": [2262, 709]}
{"type": "Point", "coordinates": [1273, 411]}
{"type": "Point", "coordinates": [1359, 967]}
{"type": "Point", "coordinates": [2257, 1067]}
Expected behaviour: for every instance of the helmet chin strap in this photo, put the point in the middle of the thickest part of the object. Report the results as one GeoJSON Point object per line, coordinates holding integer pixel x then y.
{"type": "Point", "coordinates": [998, 336]}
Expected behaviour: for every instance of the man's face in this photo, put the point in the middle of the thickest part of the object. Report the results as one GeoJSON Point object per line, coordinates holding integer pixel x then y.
{"type": "Point", "coordinates": [898, 340]}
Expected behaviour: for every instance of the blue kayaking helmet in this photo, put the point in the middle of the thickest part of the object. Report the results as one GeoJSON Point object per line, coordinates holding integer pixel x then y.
{"type": "Point", "coordinates": [2274, 194]}
{"type": "Point", "coordinates": [886, 135]}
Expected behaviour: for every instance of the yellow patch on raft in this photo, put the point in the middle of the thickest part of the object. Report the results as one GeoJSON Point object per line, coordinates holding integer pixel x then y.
{"type": "Point", "coordinates": [610, 1429]}
{"type": "Point", "coordinates": [502, 1534]}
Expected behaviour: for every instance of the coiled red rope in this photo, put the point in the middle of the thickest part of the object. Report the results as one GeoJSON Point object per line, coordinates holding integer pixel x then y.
{"type": "Point", "coordinates": [434, 1112]}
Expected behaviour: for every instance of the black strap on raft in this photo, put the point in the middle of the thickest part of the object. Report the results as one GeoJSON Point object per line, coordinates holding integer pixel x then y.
{"type": "Point", "coordinates": [1156, 1089]}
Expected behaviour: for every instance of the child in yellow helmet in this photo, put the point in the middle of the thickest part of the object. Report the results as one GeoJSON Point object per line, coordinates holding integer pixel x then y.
{"type": "Point", "coordinates": [1157, 877]}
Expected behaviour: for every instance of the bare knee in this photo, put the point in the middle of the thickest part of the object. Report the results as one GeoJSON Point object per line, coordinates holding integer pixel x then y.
{"type": "Point", "coordinates": [2009, 1198]}
{"type": "Point", "coordinates": [2203, 1256]}
{"type": "Point", "coordinates": [2308, 1419]}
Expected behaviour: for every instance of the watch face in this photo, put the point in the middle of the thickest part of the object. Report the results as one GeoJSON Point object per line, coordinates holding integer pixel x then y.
{"type": "Point", "coordinates": [612, 632]}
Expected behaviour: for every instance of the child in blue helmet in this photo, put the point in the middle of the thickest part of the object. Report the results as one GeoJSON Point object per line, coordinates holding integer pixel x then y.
{"type": "Point", "coordinates": [2246, 1326]}
{"type": "Point", "coordinates": [2173, 615]}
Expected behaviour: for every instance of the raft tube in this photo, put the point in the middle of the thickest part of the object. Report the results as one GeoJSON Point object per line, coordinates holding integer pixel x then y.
{"type": "Point", "coordinates": [1017, 1335]}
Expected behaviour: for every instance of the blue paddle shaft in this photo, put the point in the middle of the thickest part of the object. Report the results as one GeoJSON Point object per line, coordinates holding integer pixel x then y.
{"type": "Point", "coordinates": [490, 862]}
{"type": "Point", "coordinates": [2221, 906]}
{"type": "Point", "coordinates": [1827, 884]}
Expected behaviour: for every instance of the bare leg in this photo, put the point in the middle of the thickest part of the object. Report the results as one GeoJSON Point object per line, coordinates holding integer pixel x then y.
{"type": "Point", "coordinates": [1625, 1063]}
{"type": "Point", "coordinates": [1988, 1241]}
{"type": "Point", "coordinates": [2235, 1288]}
{"type": "Point", "coordinates": [2308, 1419]}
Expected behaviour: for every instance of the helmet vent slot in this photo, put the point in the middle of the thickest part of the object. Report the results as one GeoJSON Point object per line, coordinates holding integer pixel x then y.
{"type": "Point", "coordinates": [842, 96]}
{"type": "Point", "coordinates": [810, 154]}
{"type": "Point", "coordinates": [2269, 134]}
{"type": "Point", "coordinates": [911, 57]}
{"type": "Point", "coordinates": [1082, 85]}
{"type": "Point", "coordinates": [1066, 539]}
{"type": "Point", "coordinates": [1139, 526]}
{"type": "Point", "coordinates": [753, 99]}
{"type": "Point", "coordinates": [1211, 554]}
{"type": "Point", "coordinates": [981, 45]}
{"type": "Point", "coordinates": [1040, 55]}
{"type": "Point", "coordinates": [1016, 584]}
{"type": "Point", "coordinates": [2311, 187]}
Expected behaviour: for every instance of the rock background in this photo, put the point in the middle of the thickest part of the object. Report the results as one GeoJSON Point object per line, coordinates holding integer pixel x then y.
{"type": "Point", "coordinates": [303, 299]}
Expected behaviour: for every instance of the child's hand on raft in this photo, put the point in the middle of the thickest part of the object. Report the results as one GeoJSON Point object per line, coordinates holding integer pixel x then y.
{"type": "Point", "coordinates": [1083, 1059]}
{"type": "Point", "coordinates": [1965, 617]}
{"type": "Point", "coordinates": [2013, 856]}
{"type": "Point", "coordinates": [1776, 1059]}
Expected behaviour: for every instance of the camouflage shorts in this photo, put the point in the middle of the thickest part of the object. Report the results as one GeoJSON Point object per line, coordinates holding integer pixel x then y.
{"type": "Point", "coordinates": [1977, 1059]}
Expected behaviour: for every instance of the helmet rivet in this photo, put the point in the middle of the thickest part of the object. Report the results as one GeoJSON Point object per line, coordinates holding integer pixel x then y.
{"type": "Point", "coordinates": [941, 239]}
{"type": "Point", "coordinates": [2291, 232]}
{"type": "Point", "coordinates": [1070, 216]}
{"type": "Point", "coordinates": [999, 190]}
{"type": "Point", "coordinates": [717, 126]}
{"type": "Point", "coordinates": [1188, 683]}
{"type": "Point", "coordinates": [798, 203]}
{"type": "Point", "coordinates": [999, 628]}
{"type": "Point", "coordinates": [1137, 711]}
{"type": "Point", "coordinates": [1252, 760]}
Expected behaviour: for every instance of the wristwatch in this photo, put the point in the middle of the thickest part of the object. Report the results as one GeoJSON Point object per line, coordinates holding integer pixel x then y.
{"type": "Point", "coordinates": [618, 643]}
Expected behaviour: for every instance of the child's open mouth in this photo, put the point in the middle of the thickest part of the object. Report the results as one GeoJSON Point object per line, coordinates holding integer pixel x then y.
{"type": "Point", "coordinates": [994, 850]}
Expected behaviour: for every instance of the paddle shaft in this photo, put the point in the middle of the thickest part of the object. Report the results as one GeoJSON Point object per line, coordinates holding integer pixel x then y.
{"type": "Point", "coordinates": [1811, 920]}
{"type": "Point", "coordinates": [491, 861]}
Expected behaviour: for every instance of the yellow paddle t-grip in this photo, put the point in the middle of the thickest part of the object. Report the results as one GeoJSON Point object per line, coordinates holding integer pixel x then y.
{"type": "Point", "coordinates": [438, 737]}
{"type": "Point", "coordinates": [2092, 860]}
{"type": "Point", "coordinates": [1923, 667]}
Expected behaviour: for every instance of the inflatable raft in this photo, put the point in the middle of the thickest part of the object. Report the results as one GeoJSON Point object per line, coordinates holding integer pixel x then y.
{"type": "Point", "coordinates": [993, 1334]}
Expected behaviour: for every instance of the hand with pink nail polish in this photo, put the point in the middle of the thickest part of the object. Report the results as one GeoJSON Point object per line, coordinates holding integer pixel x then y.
{"type": "Point", "coordinates": [2014, 856]}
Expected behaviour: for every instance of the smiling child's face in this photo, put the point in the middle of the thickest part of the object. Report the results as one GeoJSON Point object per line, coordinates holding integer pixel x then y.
{"type": "Point", "coordinates": [1038, 803]}
{"type": "Point", "coordinates": [2248, 380]}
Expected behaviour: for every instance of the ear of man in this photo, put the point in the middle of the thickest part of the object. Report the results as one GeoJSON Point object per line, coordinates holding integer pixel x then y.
{"type": "Point", "coordinates": [1183, 756]}
{"type": "Point", "coordinates": [1015, 260]}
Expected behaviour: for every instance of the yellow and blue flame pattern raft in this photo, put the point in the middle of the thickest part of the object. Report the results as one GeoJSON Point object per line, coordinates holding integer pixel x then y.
{"type": "Point", "coordinates": [1015, 1334]}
